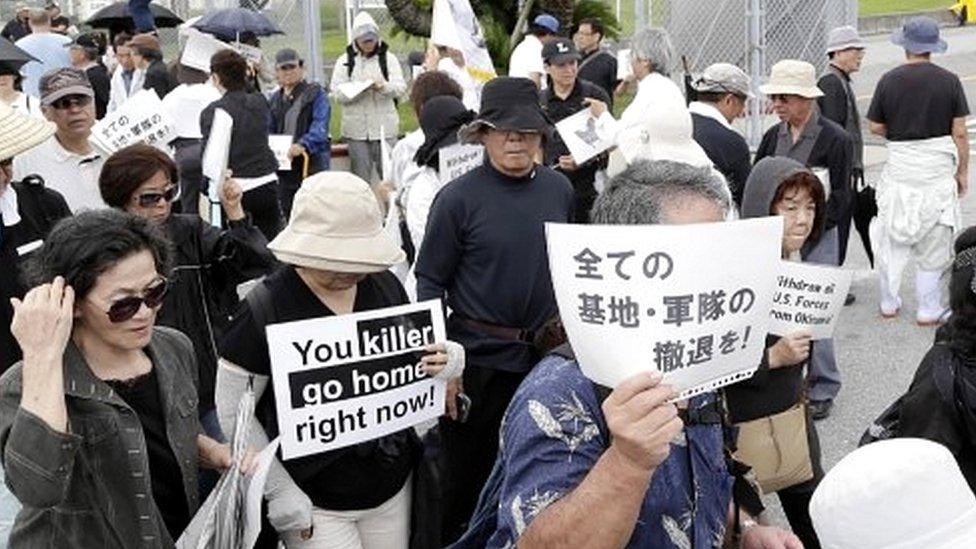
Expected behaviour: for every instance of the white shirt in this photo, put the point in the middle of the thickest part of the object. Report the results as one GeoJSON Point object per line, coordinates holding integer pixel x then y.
{"type": "Point", "coordinates": [653, 88]}
{"type": "Point", "coordinates": [527, 59]}
{"type": "Point", "coordinates": [8, 206]}
{"type": "Point", "coordinates": [117, 92]}
{"type": "Point", "coordinates": [27, 104]}
{"type": "Point", "coordinates": [185, 103]}
{"type": "Point", "coordinates": [401, 158]}
{"type": "Point", "coordinates": [74, 176]}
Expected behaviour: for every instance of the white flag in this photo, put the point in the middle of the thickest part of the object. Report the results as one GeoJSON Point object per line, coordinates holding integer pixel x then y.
{"type": "Point", "coordinates": [455, 25]}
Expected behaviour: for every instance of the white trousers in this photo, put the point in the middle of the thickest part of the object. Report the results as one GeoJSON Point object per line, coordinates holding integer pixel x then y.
{"type": "Point", "coordinates": [383, 527]}
{"type": "Point", "coordinates": [932, 254]}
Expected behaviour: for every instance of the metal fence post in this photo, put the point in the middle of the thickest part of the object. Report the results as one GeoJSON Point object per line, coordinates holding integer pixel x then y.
{"type": "Point", "coordinates": [640, 15]}
{"type": "Point", "coordinates": [757, 63]}
{"type": "Point", "coordinates": [313, 36]}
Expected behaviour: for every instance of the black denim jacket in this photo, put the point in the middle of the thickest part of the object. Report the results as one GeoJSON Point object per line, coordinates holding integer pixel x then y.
{"type": "Point", "coordinates": [90, 487]}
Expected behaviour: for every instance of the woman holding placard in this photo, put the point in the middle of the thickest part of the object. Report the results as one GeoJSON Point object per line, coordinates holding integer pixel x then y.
{"type": "Point", "coordinates": [776, 435]}
{"type": "Point", "coordinates": [336, 258]}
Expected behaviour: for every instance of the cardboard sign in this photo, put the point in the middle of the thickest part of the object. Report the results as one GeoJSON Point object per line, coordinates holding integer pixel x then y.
{"type": "Point", "coordinates": [342, 380]}
{"type": "Point", "coordinates": [585, 136]}
{"type": "Point", "coordinates": [457, 160]}
{"type": "Point", "coordinates": [217, 153]}
{"type": "Point", "coordinates": [353, 89]}
{"type": "Point", "coordinates": [199, 49]}
{"type": "Point", "coordinates": [279, 146]}
{"type": "Point", "coordinates": [808, 297]}
{"type": "Point", "coordinates": [141, 119]}
{"type": "Point", "coordinates": [689, 301]}
{"type": "Point", "coordinates": [623, 64]}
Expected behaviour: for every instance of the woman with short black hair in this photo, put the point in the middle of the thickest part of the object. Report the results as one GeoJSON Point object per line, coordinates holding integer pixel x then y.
{"type": "Point", "coordinates": [98, 423]}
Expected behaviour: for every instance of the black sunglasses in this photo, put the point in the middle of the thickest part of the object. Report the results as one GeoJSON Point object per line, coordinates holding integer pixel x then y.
{"type": "Point", "coordinates": [148, 200]}
{"type": "Point", "coordinates": [127, 307]}
{"type": "Point", "coordinates": [70, 101]}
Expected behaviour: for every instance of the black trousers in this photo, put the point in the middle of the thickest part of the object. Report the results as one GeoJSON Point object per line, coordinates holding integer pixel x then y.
{"type": "Point", "coordinates": [469, 449]}
{"type": "Point", "coordinates": [265, 211]}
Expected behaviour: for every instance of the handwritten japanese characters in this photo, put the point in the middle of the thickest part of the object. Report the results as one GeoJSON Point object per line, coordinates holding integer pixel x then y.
{"type": "Point", "coordinates": [141, 119]}
{"type": "Point", "coordinates": [686, 301]}
{"type": "Point", "coordinates": [808, 297]}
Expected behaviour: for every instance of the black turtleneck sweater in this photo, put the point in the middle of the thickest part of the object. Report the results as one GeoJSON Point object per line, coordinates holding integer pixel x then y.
{"type": "Point", "coordinates": [485, 254]}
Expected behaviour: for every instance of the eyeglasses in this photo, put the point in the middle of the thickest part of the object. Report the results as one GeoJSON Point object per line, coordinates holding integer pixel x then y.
{"type": "Point", "coordinates": [69, 101]}
{"type": "Point", "coordinates": [127, 307]}
{"type": "Point", "coordinates": [148, 200]}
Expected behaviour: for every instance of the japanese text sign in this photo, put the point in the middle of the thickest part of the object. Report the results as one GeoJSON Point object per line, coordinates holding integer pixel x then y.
{"type": "Point", "coordinates": [457, 160]}
{"type": "Point", "coordinates": [808, 297]}
{"type": "Point", "coordinates": [690, 301]}
{"type": "Point", "coordinates": [346, 379]}
{"type": "Point", "coordinates": [141, 118]}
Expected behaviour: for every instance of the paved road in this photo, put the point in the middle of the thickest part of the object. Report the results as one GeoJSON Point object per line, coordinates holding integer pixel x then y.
{"type": "Point", "coordinates": [878, 357]}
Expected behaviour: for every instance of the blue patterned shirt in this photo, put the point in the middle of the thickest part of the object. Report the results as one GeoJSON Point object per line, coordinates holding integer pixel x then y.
{"type": "Point", "coordinates": [554, 433]}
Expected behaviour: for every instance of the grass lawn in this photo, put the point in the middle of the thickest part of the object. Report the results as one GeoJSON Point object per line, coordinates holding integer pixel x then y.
{"type": "Point", "coordinates": [879, 7]}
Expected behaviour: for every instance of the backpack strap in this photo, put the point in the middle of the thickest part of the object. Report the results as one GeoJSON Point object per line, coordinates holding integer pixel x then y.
{"type": "Point", "coordinates": [381, 54]}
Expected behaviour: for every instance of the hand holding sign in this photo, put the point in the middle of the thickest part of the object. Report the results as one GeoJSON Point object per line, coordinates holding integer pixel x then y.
{"type": "Point", "coordinates": [790, 350]}
{"type": "Point", "coordinates": [642, 421]}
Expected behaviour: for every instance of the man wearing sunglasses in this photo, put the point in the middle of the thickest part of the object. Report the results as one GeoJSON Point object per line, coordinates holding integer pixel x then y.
{"type": "Point", "coordinates": [817, 142]}
{"type": "Point", "coordinates": [67, 162]}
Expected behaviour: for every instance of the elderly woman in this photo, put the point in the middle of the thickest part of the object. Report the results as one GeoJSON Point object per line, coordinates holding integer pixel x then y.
{"type": "Point", "coordinates": [784, 187]}
{"type": "Point", "coordinates": [208, 263]}
{"type": "Point", "coordinates": [336, 260]}
{"type": "Point", "coordinates": [98, 424]}
{"type": "Point", "coordinates": [651, 59]}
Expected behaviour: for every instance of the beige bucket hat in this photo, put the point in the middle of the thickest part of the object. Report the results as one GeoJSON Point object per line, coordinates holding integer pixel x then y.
{"type": "Point", "coordinates": [20, 133]}
{"type": "Point", "coordinates": [336, 226]}
{"type": "Point", "coordinates": [792, 77]}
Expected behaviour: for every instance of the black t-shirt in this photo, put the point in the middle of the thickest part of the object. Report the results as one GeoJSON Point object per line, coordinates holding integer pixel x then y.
{"type": "Point", "coordinates": [600, 67]}
{"type": "Point", "coordinates": [142, 394]}
{"type": "Point", "coordinates": [357, 477]}
{"type": "Point", "coordinates": [918, 101]}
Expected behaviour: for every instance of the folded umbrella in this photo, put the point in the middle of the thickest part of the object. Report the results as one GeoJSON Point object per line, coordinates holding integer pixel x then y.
{"type": "Point", "coordinates": [228, 24]}
{"type": "Point", "coordinates": [12, 56]}
{"type": "Point", "coordinates": [117, 17]}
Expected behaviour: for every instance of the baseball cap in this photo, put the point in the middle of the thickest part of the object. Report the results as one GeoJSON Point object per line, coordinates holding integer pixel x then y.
{"type": "Point", "coordinates": [83, 41]}
{"type": "Point", "coordinates": [559, 51]}
{"type": "Point", "coordinates": [547, 22]}
{"type": "Point", "coordinates": [287, 56]}
{"type": "Point", "coordinates": [723, 78]}
{"type": "Point", "coordinates": [62, 82]}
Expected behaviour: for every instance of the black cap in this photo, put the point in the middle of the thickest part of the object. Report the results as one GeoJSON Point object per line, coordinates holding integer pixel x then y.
{"type": "Point", "coordinates": [287, 56]}
{"type": "Point", "coordinates": [83, 41]}
{"type": "Point", "coordinates": [559, 51]}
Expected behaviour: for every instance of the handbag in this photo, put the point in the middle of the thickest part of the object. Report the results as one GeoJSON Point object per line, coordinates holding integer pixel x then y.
{"type": "Point", "coordinates": [777, 448]}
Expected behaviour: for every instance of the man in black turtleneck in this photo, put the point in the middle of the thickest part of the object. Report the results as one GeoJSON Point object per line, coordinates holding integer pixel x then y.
{"type": "Point", "coordinates": [484, 253]}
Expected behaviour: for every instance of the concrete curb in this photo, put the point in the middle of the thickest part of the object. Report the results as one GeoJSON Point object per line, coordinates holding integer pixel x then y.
{"type": "Point", "coordinates": [883, 24]}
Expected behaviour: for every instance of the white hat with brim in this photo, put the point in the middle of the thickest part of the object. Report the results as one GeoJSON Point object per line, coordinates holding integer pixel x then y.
{"type": "Point", "coordinates": [20, 133]}
{"type": "Point", "coordinates": [336, 226]}
{"type": "Point", "coordinates": [843, 38]}
{"type": "Point", "coordinates": [665, 134]}
{"type": "Point", "coordinates": [792, 77]}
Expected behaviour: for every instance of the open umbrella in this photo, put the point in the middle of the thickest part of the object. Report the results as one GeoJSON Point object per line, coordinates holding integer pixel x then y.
{"type": "Point", "coordinates": [228, 24]}
{"type": "Point", "coordinates": [116, 16]}
{"type": "Point", "coordinates": [13, 57]}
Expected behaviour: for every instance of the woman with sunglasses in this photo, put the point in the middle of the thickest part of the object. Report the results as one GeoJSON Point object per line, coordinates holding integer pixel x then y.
{"type": "Point", "coordinates": [98, 423]}
{"type": "Point", "coordinates": [208, 263]}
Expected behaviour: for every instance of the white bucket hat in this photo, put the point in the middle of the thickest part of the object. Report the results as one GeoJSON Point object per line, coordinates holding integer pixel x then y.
{"type": "Point", "coordinates": [843, 38]}
{"type": "Point", "coordinates": [20, 133]}
{"type": "Point", "coordinates": [665, 133]}
{"type": "Point", "coordinates": [792, 77]}
{"type": "Point", "coordinates": [336, 226]}
{"type": "Point", "coordinates": [903, 493]}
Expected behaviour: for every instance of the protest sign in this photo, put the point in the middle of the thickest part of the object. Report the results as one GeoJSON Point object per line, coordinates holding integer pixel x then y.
{"type": "Point", "coordinates": [251, 53]}
{"type": "Point", "coordinates": [455, 25]}
{"type": "Point", "coordinates": [585, 136]}
{"type": "Point", "coordinates": [216, 155]}
{"type": "Point", "coordinates": [353, 89]}
{"type": "Point", "coordinates": [386, 156]}
{"type": "Point", "coordinates": [808, 297]}
{"type": "Point", "coordinates": [623, 64]}
{"type": "Point", "coordinates": [457, 160]}
{"type": "Point", "coordinates": [689, 301]}
{"type": "Point", "coordinates": [199, 48]}
{"type": "Point", "coordinates": [280, 144]}
{"type": "Point", "coordinates": [341, 380]}
{"type": "Point", "coordinates": [141, 119]}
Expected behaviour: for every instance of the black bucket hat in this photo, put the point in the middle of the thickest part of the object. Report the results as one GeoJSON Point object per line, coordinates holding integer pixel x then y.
{"type": "Point", "coordinates": [508, 103]}
{"type": "Point", "coordinates": [440, 119]}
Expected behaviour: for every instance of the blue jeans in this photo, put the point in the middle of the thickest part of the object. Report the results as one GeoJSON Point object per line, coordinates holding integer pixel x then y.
{"type": "Point", "coordinates": [142, 15]}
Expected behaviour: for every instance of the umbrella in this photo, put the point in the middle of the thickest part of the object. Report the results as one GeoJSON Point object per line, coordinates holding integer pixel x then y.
{"type": "Point", "coordinates": [13, 57]}
{"type": "Point", "coordinates": [117, 16]}
{"type": "Point", "coordinates": [229, 24]}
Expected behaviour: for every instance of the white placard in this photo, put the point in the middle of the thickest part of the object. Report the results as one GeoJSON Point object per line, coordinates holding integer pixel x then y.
{"type": "Point", "coordinates": [345, 379]}
{"type": "Point", "coordinates": [141, 119]}
{"type": "Point", "coordinates": [623, 64]}
{"type": "Point", "coordinates": [808, 297]}
{"type": "Point", "coordinates": [354, 89]}
{"type": "Point", "coordinates": [690, 301]}
{"type": "Point", "coordinates": [457, 160]}
{"type": "Point", "coordinates": [217, 153]}
{"type": "Point", "coordinates": [280, 144]}
{"type": "Point", "coordinates": [199, 49]}
{"type": "Point", "coordinates": [251, 53]}
{"type": "Point", "coordinates": [585, 136]}
{"type": "Point", "coordinates": [386, 156]}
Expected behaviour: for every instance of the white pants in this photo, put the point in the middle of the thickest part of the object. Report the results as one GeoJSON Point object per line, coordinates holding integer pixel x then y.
{"type": "Point", "coordinates": [932, 254]}
{"type": "Point", "coordinates": [383, 527]}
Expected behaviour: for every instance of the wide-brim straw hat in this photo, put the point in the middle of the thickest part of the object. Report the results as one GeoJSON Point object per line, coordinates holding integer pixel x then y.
{"type": "Point", "coordinates": [792, 77]}
{"type": "Point", "coordinates": [336, 225]}
{"type": "Point", "coordinates": [20, 133]}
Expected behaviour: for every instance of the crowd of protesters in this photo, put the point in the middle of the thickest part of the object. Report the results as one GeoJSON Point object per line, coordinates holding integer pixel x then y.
{"type": "Point", "coordinates": [126, 344]}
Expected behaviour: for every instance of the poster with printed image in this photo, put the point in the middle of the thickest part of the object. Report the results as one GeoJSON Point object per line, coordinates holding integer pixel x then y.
{"type": "Point", "coordinates": [587, 136]}
{"type": "Point", "coordinates": [346, 379]}
{"type": "Point", "coordinates": [689, 301]}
